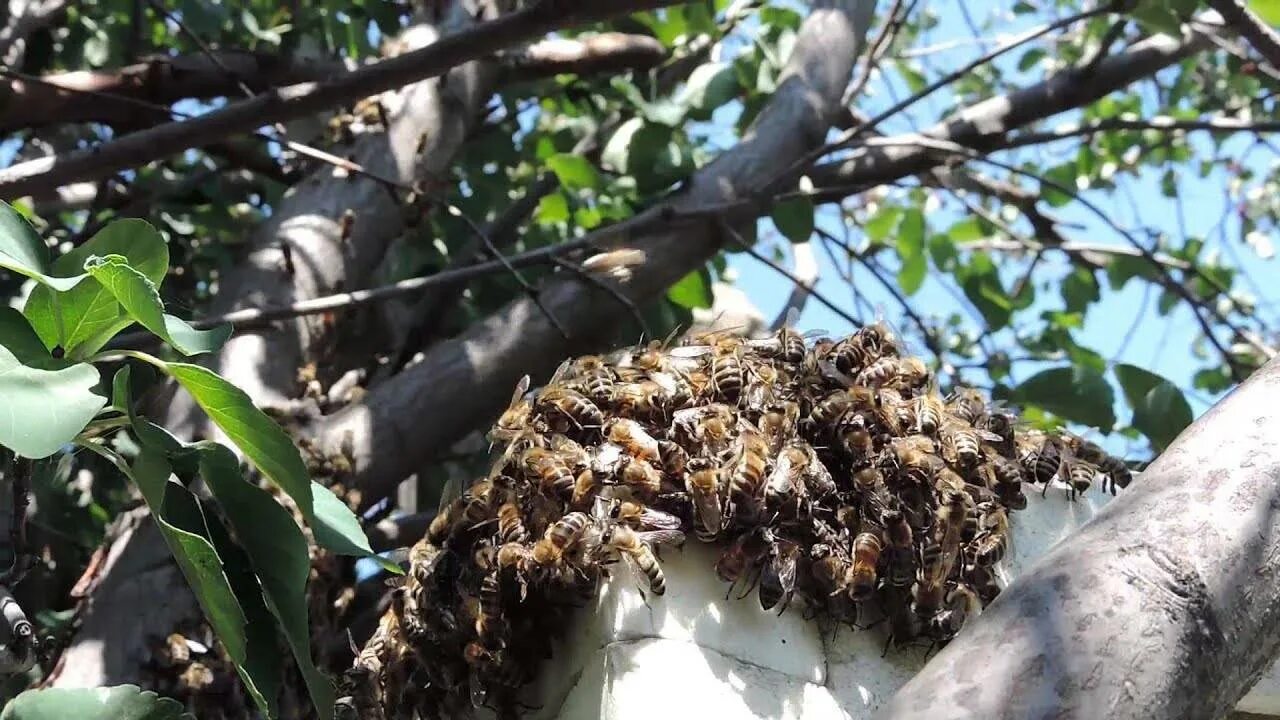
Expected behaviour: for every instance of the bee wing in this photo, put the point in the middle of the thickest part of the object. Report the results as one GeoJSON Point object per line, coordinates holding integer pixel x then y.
{"type": "Point", "coordinates": [560, 373]}
{"type": "Point", "coordinates": [522, 387]}
{"type": "Point", "coordinates": [451, 491]}
{"type": "Point", "coordinates": [662, 537]}
{"type": "Point", "coordinates": [659, 520]}
{"type": "Point", "coordinates": [689, 351]}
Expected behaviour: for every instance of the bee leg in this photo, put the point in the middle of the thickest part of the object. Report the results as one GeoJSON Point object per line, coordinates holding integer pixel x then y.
{"type": "Point", "coordinates": [755, 580]}
{"type": "Point", "coordinates": [887, 641]}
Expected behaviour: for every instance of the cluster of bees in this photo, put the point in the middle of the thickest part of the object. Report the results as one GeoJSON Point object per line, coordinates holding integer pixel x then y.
{"type": "Point", "coordinates": [833, 474]}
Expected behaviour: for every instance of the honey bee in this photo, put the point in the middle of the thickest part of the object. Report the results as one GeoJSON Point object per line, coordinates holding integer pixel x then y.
{"type": "Point", "coordinates": [614, 264]}
{"type": "Point", "coordinates": [993, 535]}
{"type": "Point", "coordinates": [784, 485]}
{"type": "Point", "coordinates": [643, 479]}
{"type": "Point", "coordinates": [559, 537]}
{"type": "Point", "coordinates": [778, 424]}
{"type": "Point", "coordinates": [642, 517]}
{"type": "Point", "coordinates": [790, 346]}
{"type": "Point", "coordinates": [746, 480]}
{"type": "Point", "coordinates": [1008, 480]}
{"type": "Point", "coordinates": [703, 487]}
{"type": "Point", "coordinates": [915, 460]}
{"type": "Point", "coordinates": [513, 561]}
{"type": "Point", "coordinates": [911, 374]}
{"type": "Point", "coordinates": [595, 379]}
{"type": "Point", "coordinates": [550, 471]}
{"type": "Point", "coordinates": [515, 419]}
{"type": "Point", "coordinates": [726, 368]}
{"type": "Point", "coordinates": [899, 553]}
{"type": "Point", "coordinates": [928, 591]}
{"type": "Point", "coordinates": [511, 527]}
{"type": "Point", "coordinates": [829, 568]}
{"type": "Point", "coordinates": [778, 576]}
{"type": "Point", "coordinates": [1040, 456]}
{"type": "Point", "coordinates": [817, 478]}
{"type": "Point", "coordinates": [861, 581]}
{"type": "Point", "coordinates": [858, 444]}
{"type": "Point", "coordinates": [743, 556]}
{"type": "Point", "coordinates": [967, 405]}
{"type": "Point", "coordinates": [1110, 467]}
{"type": "Point", "coordinates": [869, 484]}
{"type": "Point", "coordinates": [831, 409]}
{"type": "Point", "coordinates": [570, 405]}
{"type": "Point", "coordinates": [929, 412]}
{"type": "Point", "coordinates": [638, 549]}
{"type": "Point", "coordinates": [586, 488]}
{"type": "Point", "coordinates": [491, 627]}
{"type": "Point", "coordinates": [675, 459]}
{"type": "Point", "coordinates": [961, 444]}
{"type": "Point", "coordinates": [959, 604]}
{"type": "Point", "coordinates": [633, 438]}
{"type": "Point", "coordinates": [1080, 475]}
{"type": "Point", "coordinates": [879, 373]}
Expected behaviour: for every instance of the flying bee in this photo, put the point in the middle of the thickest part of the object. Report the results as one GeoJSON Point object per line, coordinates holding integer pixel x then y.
{"type": "Point", "coordinates": [992, 541]}
{"type": "Point", "coordinates": [569, 405]}
{"type": "Point", "coordinates": [861, 581]}
{"type": "Point", "coordinates": [633, 438]}
{"type": "Point", "coordinates": [778, 576]}
{"type": "Point", "coordinates": [746, 479]}
{"type": "Point", "coordinates": [559, 537]}
{"type": "Point", "coordinates": [638, 549]}
{"type": "Point", "coordinates": [615, 264]}
{"type": "Point", "coordinates": [642, 517]}
{"type": "Point", "coordinates": [511, 527]}
{"type": "Point", "coordinates": [704, 490]}
{"type": "Point", "coordinates": [743, 556]}
{"type": "Point", "coordinates": [515, 419]}
{"type": "Point", "coordinates": [550, 471]}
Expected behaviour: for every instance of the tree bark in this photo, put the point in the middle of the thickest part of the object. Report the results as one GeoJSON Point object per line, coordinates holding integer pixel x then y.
{"type": "Point", "coordinates": [1165, 605]}
{"type": "Point", "coordinates": [462, 383]}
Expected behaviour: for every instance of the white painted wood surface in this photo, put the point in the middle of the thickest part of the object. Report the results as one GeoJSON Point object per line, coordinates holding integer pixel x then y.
{"type": "Point", "coordinates": [692, 653]}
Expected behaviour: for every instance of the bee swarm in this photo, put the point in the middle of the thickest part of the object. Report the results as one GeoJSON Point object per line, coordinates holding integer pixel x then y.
{"type": "Point", "coordinates": [834, 476]}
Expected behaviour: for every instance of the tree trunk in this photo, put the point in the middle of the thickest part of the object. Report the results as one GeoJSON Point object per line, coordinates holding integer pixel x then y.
{"type": "Point", "coordinates": [1166, 605]}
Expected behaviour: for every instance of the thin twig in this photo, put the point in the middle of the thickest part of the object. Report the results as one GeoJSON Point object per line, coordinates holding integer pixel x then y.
{"type": "Point", "coordinates": [608, 287]}
{"type": "Point", "coordinates": [1262, 37]}
{"type": "Point", "coordinates": [736, 238]}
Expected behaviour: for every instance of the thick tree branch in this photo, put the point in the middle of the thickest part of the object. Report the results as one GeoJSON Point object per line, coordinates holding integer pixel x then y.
{"type": "Point", "coordinates": [400, 423]}
{"type": "Point", "coordinates": [1261, 36]}
{"type": "Point", "coordinates": [986, 125]}
{"type": "Point", "coordinates": [157, 81]}
{"type": "Point", "coordinates": [1165, 605]}
{"type": "Point", "coordinates": [604, 53]}
{"type": "Point", "coordinates": [294, 101]}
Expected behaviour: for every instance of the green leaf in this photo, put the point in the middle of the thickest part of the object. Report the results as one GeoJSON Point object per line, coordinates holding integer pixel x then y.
{"type": "Point", "coordinates": [1268, 10]}
{"type": "Point", "coordinates": [338, 529]}
{"type": "Point", "coordinates": [278, 553]}
{"type": "Point", "coordinates": [574, 171]}
{"type": "Point", "coordinates": [1163, 15]}
{"type": "Point", "coordinates": [122, 702]}
{"type": "Point", "coordinates": [1214, 380]}
{"type": "Point", "coordinates": [1077, 394]}
{"type": "Point", "coordinates": [261, 440]}
{"type": "Point", "coordinates": [84, 318]}
{"type": "Point", "coordinates": [1123, 267]}
{"type": "Point", "coordinates": [1079, 289]}
{"type": "Point", "coordinates": [882, 223]}
{"type": "Point", "coordinates": [693, 290]}
{"type": "Point", "coordinates": [23, 252]}
{"type": "Point", "coordinates": [981, 284]}
{"type": "Point", "coordinates": [16, 335]}
{"type": "Point", "coordinates": [1063, 176]}
{"type": "Point", "coordinates": [1159, 409]}
{"type": "Point", "coordinates": [794, 218]}
{"type": "Point", "coordinates": [552, 209]}
{"type": "Point", "coordinates": [1031, 58]}
{"type": "Point", "coordinates": [911, 251]}
{"type": "Point", "coordinates": [141, 299]}
{"type": "Point", "coordinates": [709, 86]}
{"type": "Point", "coordinates": [967, 230]}
{"type": "Point", "coordinates": [44, 409]}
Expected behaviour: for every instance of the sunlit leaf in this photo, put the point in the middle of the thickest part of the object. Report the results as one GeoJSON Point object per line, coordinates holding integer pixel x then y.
{"type": "Point", "coordinates": [44, 409]}
{"type": "Point", "coordinates": [1081, 395]}
{"type": "Point", "coordinates": [122, 702]}
{"type": "Point", "coordinates": [793, 218]}
{"type": "Point", "coordinates": [574, 171]}
{"type": "Point", "coordinates": [1160, 411]}
{"type": "Point", "coordinates": [693, 290]}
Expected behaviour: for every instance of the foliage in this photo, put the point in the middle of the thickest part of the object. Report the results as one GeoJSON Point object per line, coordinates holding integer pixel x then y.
{"type": "Point", "coordinates": [49, 380]}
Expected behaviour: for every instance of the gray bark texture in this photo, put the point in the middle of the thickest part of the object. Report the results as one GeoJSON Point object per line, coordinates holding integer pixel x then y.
{"type": "Point", "coordinates": [1166, 605]}
{"type": "Point", "coordinates": [463, 383]}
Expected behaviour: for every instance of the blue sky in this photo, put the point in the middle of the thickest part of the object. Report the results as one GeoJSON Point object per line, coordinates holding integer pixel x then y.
{"type": "Point", "coordinates": [1165, 345]}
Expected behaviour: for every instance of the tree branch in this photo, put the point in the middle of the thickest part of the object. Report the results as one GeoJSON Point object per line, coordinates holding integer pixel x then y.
{"type": "Point", "coordinates": [1261, 36]}
{"type": "Point", "coordinates": [294, 101]}
{"type": "Point", "coordinates": [1165, 605]}
{"type": "Point", "coordinates": [472, 375]}
{"type": "Point", "coordinates": [26, 17]}
{"type": "Point", "coordinates": [604, 53]}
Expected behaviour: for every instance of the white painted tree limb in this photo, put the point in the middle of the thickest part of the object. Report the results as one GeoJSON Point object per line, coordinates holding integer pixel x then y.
{"type": "Point", "coordinates": [462, 383]}
{"type": "Point", "coordinates": [1165, 605]}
